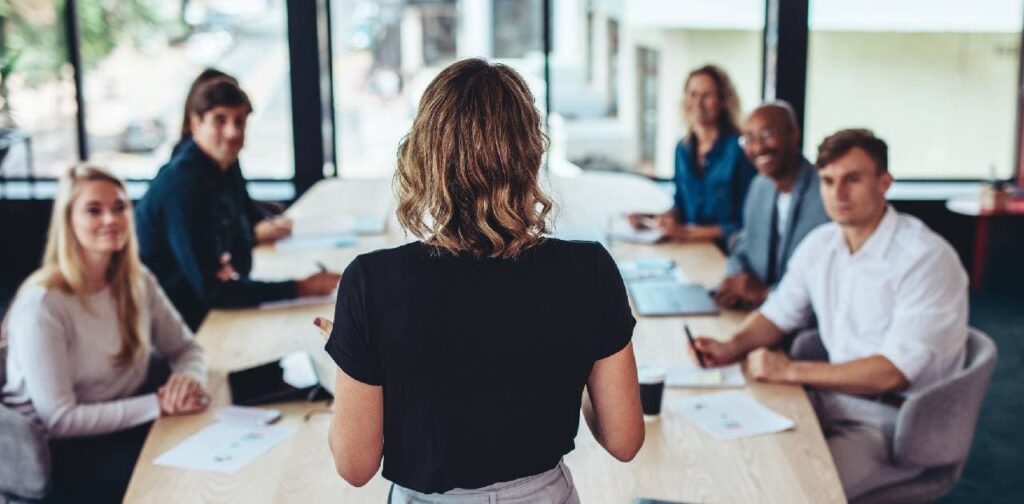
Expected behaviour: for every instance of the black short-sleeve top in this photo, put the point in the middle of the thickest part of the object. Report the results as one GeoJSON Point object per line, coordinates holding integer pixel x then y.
{"type": "Point", "coordinates": [482, 361]}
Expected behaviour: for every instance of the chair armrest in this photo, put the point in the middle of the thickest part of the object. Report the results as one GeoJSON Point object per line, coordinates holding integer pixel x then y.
{"type": "Point", "coordinates": [26, 455]}
{"type": "Point", "coordinates": [936, 425]}
{"type": "Point", "coordinates": [807, 346]}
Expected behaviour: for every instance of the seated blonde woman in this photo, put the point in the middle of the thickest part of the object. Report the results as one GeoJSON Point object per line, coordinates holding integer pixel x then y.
{"type": "Point", "coordinates": [81, 333]}
{"type": "Point", "coordinates": [464, 356]}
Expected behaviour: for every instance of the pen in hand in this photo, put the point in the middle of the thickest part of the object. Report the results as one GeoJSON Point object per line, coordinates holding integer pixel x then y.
{"type": "Point", "coordinates": [693, 345]}
{"type": "Point", "coordinates": [322, 266]}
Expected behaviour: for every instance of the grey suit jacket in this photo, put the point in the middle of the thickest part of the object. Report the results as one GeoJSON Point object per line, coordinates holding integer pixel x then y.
{"type": "Point", "coordinates": [751, 248]}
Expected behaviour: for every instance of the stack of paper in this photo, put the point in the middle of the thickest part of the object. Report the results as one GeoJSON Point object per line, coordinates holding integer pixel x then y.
{"type": "Point", "coordinates": [729, 415]}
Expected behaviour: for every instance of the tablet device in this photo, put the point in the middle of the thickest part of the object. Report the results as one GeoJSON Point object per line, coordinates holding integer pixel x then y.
{"type": "Point", "coordinates": [291, 378]}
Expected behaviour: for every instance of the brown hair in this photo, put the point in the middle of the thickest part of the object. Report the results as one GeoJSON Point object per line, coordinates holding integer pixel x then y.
{"type": "Point", "coordinates": [729, 117]}
{"type": "Point", "coordinates": [841, 142]}
{"type": "Point", "coordinates": [218, 92]}
{"type": "Point", "coordinates": [467, 177]}
{"type": "Point", "coordinates": [64, 270]}
{"type": "Point", "coordinates": [205, 76]}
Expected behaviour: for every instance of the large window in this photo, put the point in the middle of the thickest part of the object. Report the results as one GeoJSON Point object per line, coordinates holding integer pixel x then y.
{"type": "Point", "coordinates": [387, 51]}
{"type": "Point", "coordinates": [619, 106]}
{"type": "Point", "coordinates": [37, 97]}
{"type": "Point", "coordinates": [140, 56]}
{"type": "Point", "coordinates": [936, 79]}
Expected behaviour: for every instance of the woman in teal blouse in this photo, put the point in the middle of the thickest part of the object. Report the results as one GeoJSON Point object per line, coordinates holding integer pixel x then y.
{"type": "Point", "coordinates": [711, 172]}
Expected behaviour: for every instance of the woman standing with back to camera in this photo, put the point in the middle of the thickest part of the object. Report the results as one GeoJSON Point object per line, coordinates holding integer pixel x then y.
{"type": "Point", "coordinates": [464, 356]}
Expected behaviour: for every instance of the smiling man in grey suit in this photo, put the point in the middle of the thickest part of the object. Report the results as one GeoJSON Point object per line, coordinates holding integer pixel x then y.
{"type": "Point", "coordinates": [782, 206]}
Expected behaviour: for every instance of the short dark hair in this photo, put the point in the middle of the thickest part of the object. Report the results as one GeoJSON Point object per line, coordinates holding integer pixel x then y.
{"type": "Point", "coordinates": [841, 142]}
{"type": "Point", "coordinates": [204, 77]}
{"type": "Point", "coordinates": [220, 92]}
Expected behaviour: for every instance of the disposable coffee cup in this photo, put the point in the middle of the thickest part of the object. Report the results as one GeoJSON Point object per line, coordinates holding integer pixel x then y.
{"type": "Point", "coordinates": [652, 388]}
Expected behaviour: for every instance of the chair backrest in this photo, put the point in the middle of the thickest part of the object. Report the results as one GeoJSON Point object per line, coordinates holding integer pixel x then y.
{"type": "Point", "coordinates": [3, 363]}
{"type": "Point", "coordinates": [936, 426]}
{"type": "Point", "coordinates": [25, 472]}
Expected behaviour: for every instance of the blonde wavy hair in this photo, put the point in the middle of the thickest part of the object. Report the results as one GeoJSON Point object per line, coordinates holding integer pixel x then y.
{"type": "Point", "coordinates": [64, 269]}
{"type": "Point", "coordinates": [467, 177]}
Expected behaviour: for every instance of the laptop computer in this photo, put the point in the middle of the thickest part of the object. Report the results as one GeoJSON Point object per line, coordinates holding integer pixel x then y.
{"type": "Point", "coordinates": [663, 298]}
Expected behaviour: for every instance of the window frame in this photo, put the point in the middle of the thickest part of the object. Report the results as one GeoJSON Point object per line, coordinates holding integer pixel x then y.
{"type": "Point", "coordinates": [785, 51]}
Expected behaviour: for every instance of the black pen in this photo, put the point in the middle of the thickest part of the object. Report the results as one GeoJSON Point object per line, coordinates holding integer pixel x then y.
{"type": "Point", "coordinates": [693, 345]}
{"type": "Point", "coordinates": [323, 268]}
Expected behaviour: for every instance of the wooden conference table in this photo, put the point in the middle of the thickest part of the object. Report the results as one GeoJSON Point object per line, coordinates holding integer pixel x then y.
{"type": "Point", "coordinates": [678, 461]}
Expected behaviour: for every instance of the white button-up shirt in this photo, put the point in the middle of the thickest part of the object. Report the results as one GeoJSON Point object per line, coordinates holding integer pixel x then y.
{"type": "Point", "coordinates": [903, 296]}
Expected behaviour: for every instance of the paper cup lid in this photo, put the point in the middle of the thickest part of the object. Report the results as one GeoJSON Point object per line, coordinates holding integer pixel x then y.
{"type": "Point", "coordinates": [651, 374]}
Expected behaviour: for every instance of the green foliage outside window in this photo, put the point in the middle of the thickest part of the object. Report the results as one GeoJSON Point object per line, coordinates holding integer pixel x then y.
{"type": "Point", "coordinates": [33, 37]}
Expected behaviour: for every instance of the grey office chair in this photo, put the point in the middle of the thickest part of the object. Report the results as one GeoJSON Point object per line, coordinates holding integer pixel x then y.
{"type": "Point", "coordinates": [25, 471]}
{"type": "Point", "coordinates": [935, 426]}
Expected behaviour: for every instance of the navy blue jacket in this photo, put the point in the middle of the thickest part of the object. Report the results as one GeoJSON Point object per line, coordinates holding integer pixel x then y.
{"type": "Point", "coordinates": [192, 213]}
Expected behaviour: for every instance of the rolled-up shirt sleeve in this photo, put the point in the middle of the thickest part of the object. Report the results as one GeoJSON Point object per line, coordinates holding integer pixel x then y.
{"type": "Point", "coordinates": [930, 316]}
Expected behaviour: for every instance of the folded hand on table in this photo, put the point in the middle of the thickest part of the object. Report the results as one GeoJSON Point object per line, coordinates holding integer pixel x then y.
{"type": "Point", "coordinates": [741, 291]}
{"type": "Point", "coordinates": [715, 353]}
{"type": "Point", "coordinates": [318, 284]}
{"type": "Point", "coordinates": [272, 229]}
{"type": "Point", "coordinates": [181, 395]}
{"type": "Point", "coordinates": [768, 365]}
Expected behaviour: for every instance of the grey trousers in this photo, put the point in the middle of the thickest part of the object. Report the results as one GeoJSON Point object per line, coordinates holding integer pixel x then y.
{"type": "Point", "coordinates": [549, 487]}
{"type": "Point", "coordinates": [859, 434]}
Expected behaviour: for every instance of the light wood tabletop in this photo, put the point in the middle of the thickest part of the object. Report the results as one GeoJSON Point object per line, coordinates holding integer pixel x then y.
{"type": "Point", "coordinates": [678, 462]}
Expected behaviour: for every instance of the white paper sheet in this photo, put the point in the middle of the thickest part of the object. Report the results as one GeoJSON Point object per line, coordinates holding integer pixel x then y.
{"type": "Point", "coordinates": [315, 242]}
{"type": "Point", "coordinates": [729, 415]}
{"type": "Point", "coordinates": [300, 301]}
{"type": "Point", "coordinates": [621, 230]}
{"type": "Point", "coordinates": [362, 225]}
{"type": "Point", "coordinates": [224, 447]}
{"type": "Point", "coordinates": [695, 377]}
{"type": "Point", "coordinates": [653, 269]}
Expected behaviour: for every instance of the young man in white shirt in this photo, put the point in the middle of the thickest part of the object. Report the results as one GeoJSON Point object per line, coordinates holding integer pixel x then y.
{"type": "Point", "coordinates": [890, 297]}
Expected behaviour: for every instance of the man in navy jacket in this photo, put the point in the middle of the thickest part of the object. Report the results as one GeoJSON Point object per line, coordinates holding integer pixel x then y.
{"type": "Point", "coordinates": [197, 224]}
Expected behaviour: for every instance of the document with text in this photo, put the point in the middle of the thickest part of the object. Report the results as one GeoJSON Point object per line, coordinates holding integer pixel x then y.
{"type": "Point", "coordinates": [729, 415]}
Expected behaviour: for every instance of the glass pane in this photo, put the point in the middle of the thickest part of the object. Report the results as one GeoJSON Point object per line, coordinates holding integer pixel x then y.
{"type": "Point", "coordinates": [935, 79]}
{"type": "Point", "coordinates": [387, 51]}
{"type": "Point", "coordinates": [618, 67]}
{"type": "Point", "coordinates": [37, 97]}
{"type": "Point", "coordinates": [141, 57]}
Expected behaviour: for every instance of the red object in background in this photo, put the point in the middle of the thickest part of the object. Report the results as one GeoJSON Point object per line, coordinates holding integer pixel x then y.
{"type": "Point", "coordinates": [973, 208]}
